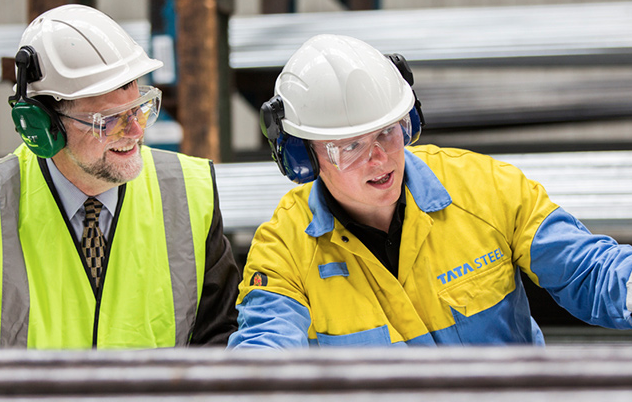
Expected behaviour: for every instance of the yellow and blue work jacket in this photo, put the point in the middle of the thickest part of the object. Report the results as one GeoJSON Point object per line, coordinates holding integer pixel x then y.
{"type": "Point", "coordinates": [471, 224]}
{"type": "Point", "coordinates": [154, 269]}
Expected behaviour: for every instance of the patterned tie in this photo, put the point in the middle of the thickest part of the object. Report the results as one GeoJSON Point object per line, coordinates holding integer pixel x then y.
{"type": "Point", "coordinates": [93, 241]}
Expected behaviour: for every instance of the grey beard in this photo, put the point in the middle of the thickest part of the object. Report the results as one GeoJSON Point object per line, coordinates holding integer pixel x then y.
{"type": "Point", "coordinates": [102, 171]}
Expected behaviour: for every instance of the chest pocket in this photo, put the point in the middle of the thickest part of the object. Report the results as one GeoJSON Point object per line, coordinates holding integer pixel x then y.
{"type": "Point", "coordinates": [481, 291]}
{"type": "Point", "coordinates": [372, 337]}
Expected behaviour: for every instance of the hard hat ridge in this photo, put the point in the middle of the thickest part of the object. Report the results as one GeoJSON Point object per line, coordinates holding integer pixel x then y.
{"type": "Point", "coordinates": [82, 52]}
{"type": "Point", "coordinates": [338, 87]}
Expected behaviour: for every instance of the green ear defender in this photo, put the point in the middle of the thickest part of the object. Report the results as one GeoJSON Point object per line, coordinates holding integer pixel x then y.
{"type": "Point", "coordinates": [38, 125]}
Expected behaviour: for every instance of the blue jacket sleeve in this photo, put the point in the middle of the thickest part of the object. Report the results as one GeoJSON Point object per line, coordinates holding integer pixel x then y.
{"type": "Point", "coordinates": [585, 273]}
{"type": "Point", "coordinates": [270, 320]}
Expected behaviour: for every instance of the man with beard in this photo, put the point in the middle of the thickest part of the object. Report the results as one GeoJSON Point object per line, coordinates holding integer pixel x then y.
{"type": "Point", "coordinates": [106, 243]}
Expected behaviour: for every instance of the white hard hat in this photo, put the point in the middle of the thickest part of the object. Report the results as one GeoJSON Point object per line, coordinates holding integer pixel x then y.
{"type": "Point", "coordinates": [82, 52]}
{"type": "Point", "coordinates": [338, 87]}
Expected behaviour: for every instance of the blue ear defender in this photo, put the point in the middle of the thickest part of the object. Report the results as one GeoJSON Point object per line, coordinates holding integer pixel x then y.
{"type": "Point", "coordinates": [295, 157]}
{"type": "Point", "coordinates": [416, 122]}
{"type": "Point", "coordinates": [299, 160]}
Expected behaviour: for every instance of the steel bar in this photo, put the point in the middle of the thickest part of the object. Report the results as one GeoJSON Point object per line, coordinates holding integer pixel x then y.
{"type": "Point", "coordinates": [328, 373]}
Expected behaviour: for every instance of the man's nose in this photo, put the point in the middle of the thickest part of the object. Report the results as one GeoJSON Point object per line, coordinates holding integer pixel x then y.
{"type": "Point", "coordinates": [377, 152]}
{"type": "Point", "coordinates": [133, 126]}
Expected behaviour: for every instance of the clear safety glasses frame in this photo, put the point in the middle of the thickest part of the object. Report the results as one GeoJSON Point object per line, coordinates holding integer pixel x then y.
{"type": "Point", "coordinates": [110, 122]}
{"type": "Point", "coordinates": [351, 153]}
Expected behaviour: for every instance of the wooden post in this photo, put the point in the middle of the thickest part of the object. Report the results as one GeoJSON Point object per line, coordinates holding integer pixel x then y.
{"type": "Point", "coordinates": [8, 69]}
{"type": "Point", "coordinates": [204, 78]}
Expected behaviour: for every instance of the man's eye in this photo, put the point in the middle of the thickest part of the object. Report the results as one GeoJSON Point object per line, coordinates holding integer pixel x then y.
{"type": "Point", "coordinates": [145, 107]}
{"type": "Point", "coordinates": [137, 111]}
{"type": "Point", "coordinates": [386, 133]}
{"type": "Point", "coordinates": [109, 121]}
{"type": "Point", "coordinates": [351, 147]}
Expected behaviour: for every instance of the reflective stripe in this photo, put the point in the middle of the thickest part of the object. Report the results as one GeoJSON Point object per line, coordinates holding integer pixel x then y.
{"type": "Point", "coordinates": [15, 287]}
{"type": "Point", "coordinates": [179, 235]}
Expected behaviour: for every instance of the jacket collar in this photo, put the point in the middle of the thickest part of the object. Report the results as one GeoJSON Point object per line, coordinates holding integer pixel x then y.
{"type": "Point", "coordinates": [428, 192]}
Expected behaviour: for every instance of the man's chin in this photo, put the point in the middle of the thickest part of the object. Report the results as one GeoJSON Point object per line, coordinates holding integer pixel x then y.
{"type": "Point", "coordinates": [119, 173]}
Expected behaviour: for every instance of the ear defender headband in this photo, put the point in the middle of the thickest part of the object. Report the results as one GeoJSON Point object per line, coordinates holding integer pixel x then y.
{"type": "Point", "coordinates": [295, 157]}
{"type": "Point", "coordinates": [38, 125]}
{"type": "Point", "coordinates": [417, 119]}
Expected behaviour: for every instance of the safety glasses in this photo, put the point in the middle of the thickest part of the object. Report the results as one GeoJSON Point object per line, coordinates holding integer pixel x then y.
{"type": "Point", "coordinates": [117, 121]}
{"type": "Point", "coordinates": [351, 153]}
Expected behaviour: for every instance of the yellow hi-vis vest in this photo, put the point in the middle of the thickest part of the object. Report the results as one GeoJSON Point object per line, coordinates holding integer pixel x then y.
{"type": "Point", "coordinates": [154, 266]}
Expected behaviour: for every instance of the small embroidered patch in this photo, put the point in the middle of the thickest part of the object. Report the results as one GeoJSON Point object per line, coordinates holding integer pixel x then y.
{"type": "Point", "coordinates": [259, 279]}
